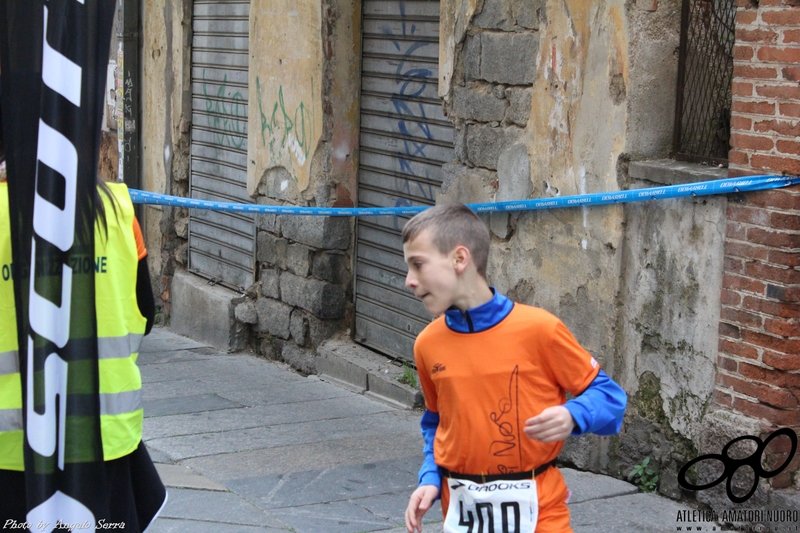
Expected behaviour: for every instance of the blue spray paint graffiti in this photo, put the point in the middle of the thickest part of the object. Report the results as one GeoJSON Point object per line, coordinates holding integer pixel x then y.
{"type": "Point", "coordinates": [413, 82]}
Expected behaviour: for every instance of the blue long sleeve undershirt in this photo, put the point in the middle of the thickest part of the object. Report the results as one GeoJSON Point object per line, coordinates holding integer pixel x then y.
{"type": "Point", "coordinates": [429, 473]}
{"type": "Point", "coordinates": [599, 409]}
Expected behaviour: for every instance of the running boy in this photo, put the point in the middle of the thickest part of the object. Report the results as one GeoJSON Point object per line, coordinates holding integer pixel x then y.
{"type": "Point", "coordinates": [494, 375]}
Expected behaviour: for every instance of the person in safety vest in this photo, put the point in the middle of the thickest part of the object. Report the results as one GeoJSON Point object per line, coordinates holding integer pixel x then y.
{"type": "Point", "coordinates": [125, 310]}
{"type": "Point", "coordinates": [12, 480]}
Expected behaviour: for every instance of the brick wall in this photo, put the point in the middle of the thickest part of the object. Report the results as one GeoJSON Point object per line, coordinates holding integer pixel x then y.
{"type": "Point", "coordinates": [758, 371]}
{"type": "Point", "coordinates": [765, 118]}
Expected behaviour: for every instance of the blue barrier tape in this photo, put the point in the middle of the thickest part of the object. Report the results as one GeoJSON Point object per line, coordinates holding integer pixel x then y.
{"type": "Point", "coordinates": [702, 188]}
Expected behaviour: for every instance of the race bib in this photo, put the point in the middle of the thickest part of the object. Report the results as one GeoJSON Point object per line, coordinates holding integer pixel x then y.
{"type": "Point", "coordinates": [494, 507]}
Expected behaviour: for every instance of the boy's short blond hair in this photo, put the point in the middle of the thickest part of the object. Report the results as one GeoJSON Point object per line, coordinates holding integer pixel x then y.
{"type": "Point", "coordinates": [452, 225]}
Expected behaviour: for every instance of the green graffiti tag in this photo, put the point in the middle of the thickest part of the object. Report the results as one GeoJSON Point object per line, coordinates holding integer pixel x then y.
{"type": "Point", "coordinates": [288, 130]}
{"type": "Point", "coordinates": [228, 118]}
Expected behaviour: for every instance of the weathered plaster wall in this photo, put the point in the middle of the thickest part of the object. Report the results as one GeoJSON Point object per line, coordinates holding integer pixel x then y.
{"type": "Point", "coordinates": [575, 131]}
{"type": "Point", "coordinates": [578, 123]}
{"type": "Point", "coordinates": [653, 37]}
{"type": "Point", "coordinates": [673, 265]}
{"type": "Point", "coordinates": [286, 76]}
{"type": "Point", "coordinates": [539, 106]}
{"type": "Point", "coordinates": [166, 116]}
{"type": "Point", "coordinates": [667, 346]}
{"type": "Point", "coordinates": [304, 75]}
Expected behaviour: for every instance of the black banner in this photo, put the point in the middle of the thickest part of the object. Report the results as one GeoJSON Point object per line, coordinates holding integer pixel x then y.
{"type": "Point", "coordinates": [54, 57]}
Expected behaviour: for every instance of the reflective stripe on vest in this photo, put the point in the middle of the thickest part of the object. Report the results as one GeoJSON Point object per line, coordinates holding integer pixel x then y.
{"type": "Point", "coordinates": [9, 363]}
{"type": "Point", "coordinates": [110, 404]}
{"type": "Point", "coordinates": [121, 403]}
{"type": "Point", "coordinates": [116, 347]}
{"type": "Point", "coordinates": [10, 419]}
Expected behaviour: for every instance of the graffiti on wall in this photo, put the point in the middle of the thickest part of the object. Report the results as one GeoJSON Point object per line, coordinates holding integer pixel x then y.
{"type": "Point", "coordinates": [129, 119]}
{"type": "Point", "coordinates": [289, 130]}
{"type": "Point", "coordinates": [412, 82]}
{"type": "Point", "coordinates": [120, 113]}
{"type": "Point", "coordinates": [228, 118]}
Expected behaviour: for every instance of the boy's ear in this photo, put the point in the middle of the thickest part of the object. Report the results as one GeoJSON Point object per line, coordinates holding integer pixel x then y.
{"type": "Point", "coordinates": [462, 258]}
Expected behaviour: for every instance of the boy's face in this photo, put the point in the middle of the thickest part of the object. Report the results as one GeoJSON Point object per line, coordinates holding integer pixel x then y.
{"type": "Point", "coordinates": [431, 275]}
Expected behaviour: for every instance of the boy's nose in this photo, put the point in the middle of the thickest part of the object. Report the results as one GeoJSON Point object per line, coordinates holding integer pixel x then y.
{"type": "Point", "coordinates": [411, 281]}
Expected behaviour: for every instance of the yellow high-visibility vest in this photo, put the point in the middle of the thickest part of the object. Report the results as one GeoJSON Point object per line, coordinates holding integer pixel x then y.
{"type": "Point", "coordinates": [10, 386]}
{"type": "Point", "coordinates": [120, 328]}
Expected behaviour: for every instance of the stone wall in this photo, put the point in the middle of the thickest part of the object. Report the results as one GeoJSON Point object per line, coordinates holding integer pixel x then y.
{"type": "Point", "coordinates": [303, 143]}
{"type": "Point", "coordinates": [552, 98]}
{"type": "Point", "coordinates": [301, 298]}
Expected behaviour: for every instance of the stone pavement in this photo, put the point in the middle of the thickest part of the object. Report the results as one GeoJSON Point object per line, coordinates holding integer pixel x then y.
{"type": "Point", "coordinates": [247, 445]}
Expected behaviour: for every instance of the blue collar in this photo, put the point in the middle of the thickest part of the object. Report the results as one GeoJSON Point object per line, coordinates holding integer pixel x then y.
{"type": "Point", "coordinates": [479, 318]}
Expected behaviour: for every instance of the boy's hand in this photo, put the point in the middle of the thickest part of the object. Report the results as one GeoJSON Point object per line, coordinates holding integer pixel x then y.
{"type": "Point", "coordinates": [419, 503]}
{"type": "Point", "coordinates": [553, 424]}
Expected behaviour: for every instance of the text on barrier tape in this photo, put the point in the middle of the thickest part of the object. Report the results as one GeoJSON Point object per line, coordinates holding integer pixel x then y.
{"type": "Point", "coordinates": [702, 188]}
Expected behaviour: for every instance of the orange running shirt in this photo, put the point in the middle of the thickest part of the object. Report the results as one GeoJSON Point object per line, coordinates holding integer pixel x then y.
{"type": "Point", "coordinates": [486, 385]}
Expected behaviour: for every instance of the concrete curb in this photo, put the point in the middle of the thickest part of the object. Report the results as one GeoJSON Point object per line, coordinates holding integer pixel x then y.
{"type": "Point", "coordinates": [360, 369]}
{"type": "Point", "coordinates": [205, 312]}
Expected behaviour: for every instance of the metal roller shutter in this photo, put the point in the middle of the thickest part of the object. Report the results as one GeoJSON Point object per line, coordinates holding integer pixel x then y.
{"type": "Point", "coordinates": [405, 139]}
{"type": "Point", "coordinates": [221, 245]}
